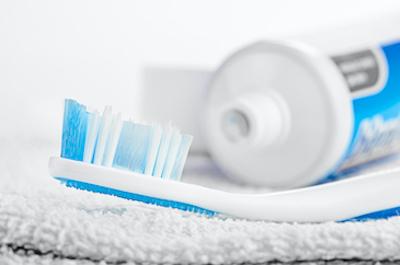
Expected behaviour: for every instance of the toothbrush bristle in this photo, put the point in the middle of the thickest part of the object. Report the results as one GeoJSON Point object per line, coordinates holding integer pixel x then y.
{"type": "Point", "coordinates": [108, 141]}
{"type": "Point", "coordinates": [74, 130]}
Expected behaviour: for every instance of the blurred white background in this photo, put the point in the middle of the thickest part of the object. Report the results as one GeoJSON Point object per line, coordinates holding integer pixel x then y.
{"type": "Point", "coordinates": [93, 50]}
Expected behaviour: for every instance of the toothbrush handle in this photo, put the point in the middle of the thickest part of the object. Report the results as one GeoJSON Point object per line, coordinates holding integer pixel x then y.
{"type": "Point", "coordinates": [330, 202]}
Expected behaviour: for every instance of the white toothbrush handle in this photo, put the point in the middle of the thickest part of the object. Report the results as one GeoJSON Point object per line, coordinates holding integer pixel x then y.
{"type": "Point", "coordinates": [329, 202]}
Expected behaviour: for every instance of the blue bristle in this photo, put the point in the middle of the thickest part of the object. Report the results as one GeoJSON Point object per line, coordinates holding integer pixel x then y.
{"type": "Point", "coordinates": [74, 130]}
{"type": "Point", "coordinates": [132, 147]}
{"type": "Point", "coordinates": [135, 197]}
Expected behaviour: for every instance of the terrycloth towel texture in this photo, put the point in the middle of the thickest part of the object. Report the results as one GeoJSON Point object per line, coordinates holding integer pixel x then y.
{"type": "Point", "coordinates": [42, 222]}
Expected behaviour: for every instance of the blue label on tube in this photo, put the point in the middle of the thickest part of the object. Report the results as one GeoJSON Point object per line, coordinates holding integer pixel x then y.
{"type": "Point", "coordinates": [373, 77]}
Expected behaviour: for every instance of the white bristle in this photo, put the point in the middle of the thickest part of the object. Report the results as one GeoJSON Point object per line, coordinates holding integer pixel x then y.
{"type": "Point", "coordinates": [153, 149]}
{"type": "Point", "coordinates": [112, 141]}
{"type": "Point", "coordinates": [102, 136]}
{"type": "Point", "coordinates": [171, 154]}
{"type": "Point", "coordinates": [91, 135]}
{"type": "Point", "coordinates": [163, 151]}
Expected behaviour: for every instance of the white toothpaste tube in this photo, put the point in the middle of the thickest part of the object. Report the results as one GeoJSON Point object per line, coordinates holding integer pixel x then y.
{"type": "Point", "coordinates": [289, 113]}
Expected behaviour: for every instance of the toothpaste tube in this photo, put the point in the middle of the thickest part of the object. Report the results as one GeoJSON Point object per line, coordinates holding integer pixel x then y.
{"type": "Point", "coordinates": [286, 114]}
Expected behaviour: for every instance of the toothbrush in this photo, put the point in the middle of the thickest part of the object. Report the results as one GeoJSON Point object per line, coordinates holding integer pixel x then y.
{"type": "Point", "coordinates": [104, 154]}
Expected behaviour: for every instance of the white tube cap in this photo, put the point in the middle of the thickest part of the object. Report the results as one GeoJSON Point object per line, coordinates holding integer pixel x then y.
{"type": "Point", "coordinates": [256, 120]}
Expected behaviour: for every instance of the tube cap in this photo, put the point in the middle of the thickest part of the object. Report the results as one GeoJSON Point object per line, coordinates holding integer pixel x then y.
{"type": "Point", "coordinates": [278, 115]}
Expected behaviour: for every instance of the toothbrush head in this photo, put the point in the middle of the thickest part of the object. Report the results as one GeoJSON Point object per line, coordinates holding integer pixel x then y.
{"type": "Point", "coordinates": [108, 141]}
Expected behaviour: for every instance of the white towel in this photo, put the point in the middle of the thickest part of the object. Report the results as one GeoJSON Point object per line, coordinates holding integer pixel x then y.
{"type": "Point", "coordinates": [42, 222]}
